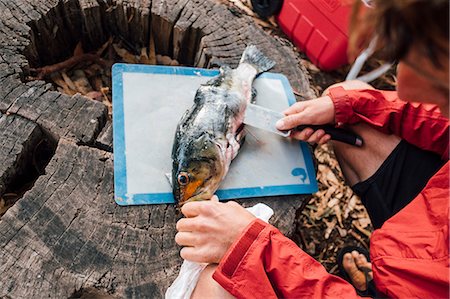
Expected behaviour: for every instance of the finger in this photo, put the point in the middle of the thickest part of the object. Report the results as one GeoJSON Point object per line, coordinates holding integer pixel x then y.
{"type": "Point", "coordinates": [291, 121]}
{"type": "Point", "coordinates": [191, 209]}
{"type": "Point", "coordinates": [215, 198]}
{"type": "Point", "coordinates": [186, 239]}
{"type": "Point", "coordinates": [195, 254]}
{"type": "Point", "coordinates": [315, 137]}
{"type": "Point", "coordinates": [296, 108]}
{"type": "Point", "coordinates": [188, 253]}
{"type": "Point", "coordinates": [324, 139]}
{"type": "Point", "coordinates": [186, 225]}
{"type": "Point", "coordinates": [302, 135]}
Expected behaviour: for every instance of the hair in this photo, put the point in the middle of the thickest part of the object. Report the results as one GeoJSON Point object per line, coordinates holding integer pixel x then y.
{"type": "Point", "coordinates": [400, 25]}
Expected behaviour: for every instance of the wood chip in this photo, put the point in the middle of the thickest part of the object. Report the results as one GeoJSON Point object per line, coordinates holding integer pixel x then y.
{"type": "Point", "coordinates": [125, 55]}
{"type": "Point", "coordinates": [330, 226]}
{"type": "Point", "coordinates": [243, 7]}
{"type": "Point", "coordinates": [364, 222]}
{"type": "Point", "coordinates": [342, 231]}
{"type": "Point", "coordinates": [68, 81]}
{"type": "Point", "coordinates": [338, 213]}
{"type": "Point", "coordinates": [95, 95]}
{"type": "Point", "coordinates": [81, 82]}
{"type": "Point", "coordinates": [163, 60]}
{"type": "Point", "coordinates": [350, 206]}
{"type": "Point", "coordinates": [144, 59]}
{"type": "Point", "coordinates": [358, 237]}
{"type": "Point", "coordinates": [174, 62]}
{"type": "Point", "coordinates": [262, 23]}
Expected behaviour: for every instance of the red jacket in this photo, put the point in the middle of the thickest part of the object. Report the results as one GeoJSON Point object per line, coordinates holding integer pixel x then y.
{"type": "Point", "coordinates": [409, 253]}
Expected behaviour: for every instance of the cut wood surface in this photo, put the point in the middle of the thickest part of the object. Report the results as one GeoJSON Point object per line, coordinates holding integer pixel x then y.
{"type": "Point", "coordinates": [18, 137]}
{"type": "Point", "coordinates": [66, 237]}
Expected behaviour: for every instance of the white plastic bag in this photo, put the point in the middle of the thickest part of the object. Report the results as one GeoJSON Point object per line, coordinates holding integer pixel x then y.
{"type": "Point", "coordinates": [187, 279]}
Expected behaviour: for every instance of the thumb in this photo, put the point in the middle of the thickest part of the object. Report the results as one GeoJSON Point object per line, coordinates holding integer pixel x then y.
{"type": "Point", "coordinates": [292, 121]}
{"type": "Point", "coordinates": [215, 198]}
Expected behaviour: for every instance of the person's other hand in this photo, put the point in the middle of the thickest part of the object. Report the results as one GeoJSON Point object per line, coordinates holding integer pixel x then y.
{"type": "Point", "coordinates": [319, 111]}
{"type": "Point", "coordinates": [210, 229]}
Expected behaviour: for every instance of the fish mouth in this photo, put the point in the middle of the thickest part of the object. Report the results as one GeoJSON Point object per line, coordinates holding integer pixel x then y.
{"type": "Point", "coordinates": [199, 195]}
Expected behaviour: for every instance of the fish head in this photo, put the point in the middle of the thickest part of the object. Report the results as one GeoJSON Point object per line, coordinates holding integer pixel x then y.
{"type": "Point", "coordinates": [198, 169]}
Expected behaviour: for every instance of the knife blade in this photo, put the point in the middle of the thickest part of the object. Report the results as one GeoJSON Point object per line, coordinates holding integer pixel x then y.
{"type": "Point", "coordinates": [266, 119]}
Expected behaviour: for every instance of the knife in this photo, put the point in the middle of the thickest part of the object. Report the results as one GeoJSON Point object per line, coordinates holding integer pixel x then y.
{"type": "Point", "coordinates": [265, 119]}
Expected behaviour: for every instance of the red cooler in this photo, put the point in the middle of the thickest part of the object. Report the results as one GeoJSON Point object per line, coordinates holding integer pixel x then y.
{"type": "Point", "coordinates": [319, 28]}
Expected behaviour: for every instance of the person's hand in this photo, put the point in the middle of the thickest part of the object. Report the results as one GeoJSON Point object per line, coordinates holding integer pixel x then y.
{"type": "Point", "coordinates": [210, 229]}
{"type": "Point", "coordinates": [319, 111]}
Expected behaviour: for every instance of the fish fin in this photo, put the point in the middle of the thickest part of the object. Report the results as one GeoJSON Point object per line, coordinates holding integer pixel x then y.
{"type": "Point", "coordinates": [168, 176]}
{"type": "Point", "coordinates": [257, 59]}
{"type": "Point", "coordinates": [225, 70]}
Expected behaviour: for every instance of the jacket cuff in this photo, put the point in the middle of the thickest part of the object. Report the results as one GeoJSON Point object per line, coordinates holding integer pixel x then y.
{"type": "Point", "coordinates": [238, 249]}
{"type": "Point", "coordinates": [342, 105]}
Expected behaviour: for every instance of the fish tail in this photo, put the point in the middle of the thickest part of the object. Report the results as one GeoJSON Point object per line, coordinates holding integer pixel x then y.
{"type": "Point", "coordinates": [257, 59]}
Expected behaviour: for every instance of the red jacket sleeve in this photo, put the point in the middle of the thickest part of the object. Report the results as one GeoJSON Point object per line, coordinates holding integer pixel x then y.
{"type": "Point", "coordinates": [420, 124]}
{"type": "Point", "coordinates": [263, 263]}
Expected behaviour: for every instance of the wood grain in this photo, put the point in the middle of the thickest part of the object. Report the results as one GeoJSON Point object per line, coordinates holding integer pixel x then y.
{"type": "Point", "coordinates": [66, 237]}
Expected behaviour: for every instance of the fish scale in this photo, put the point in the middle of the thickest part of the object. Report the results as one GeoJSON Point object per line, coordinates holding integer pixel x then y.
{"type": "Point", "coordinates": [210, 134]}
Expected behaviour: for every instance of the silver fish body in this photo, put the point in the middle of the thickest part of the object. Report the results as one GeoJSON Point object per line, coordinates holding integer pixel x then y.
{"type": "Point", "coordinates": [209, 135]}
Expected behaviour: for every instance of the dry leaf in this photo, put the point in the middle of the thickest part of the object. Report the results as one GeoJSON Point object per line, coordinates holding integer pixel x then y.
{"type": "Point", "coordinates": [68, 81]}
{"type": "Point", "coordinates": [78, 49]}
{"type": "Point", "coordinates": [95, 95]}
{"type": "Point", "coordinates": [262, 23]}
{"type": "Point", "coordinates": [362, 230]}
{"type": "Point", "coordinates": [102, 49]}
{"type": "Point", "coordinates": [358, 237]}
{"type": "Point", "coordinates": [63, 87]}
{"type": "Point", "coordinates": [124, 54]}
{"type": "Point", "coordinates": [97, 83]}
{"type": "Point", "coordinates": [81, 82]}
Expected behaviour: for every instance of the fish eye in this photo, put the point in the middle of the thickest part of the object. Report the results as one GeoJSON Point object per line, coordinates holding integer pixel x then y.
{"type": "Point", "coordinates": [183, 178]}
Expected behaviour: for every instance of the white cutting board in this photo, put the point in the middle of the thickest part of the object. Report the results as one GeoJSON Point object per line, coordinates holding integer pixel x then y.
{"type": "Point", "coordinates": [148, 102]}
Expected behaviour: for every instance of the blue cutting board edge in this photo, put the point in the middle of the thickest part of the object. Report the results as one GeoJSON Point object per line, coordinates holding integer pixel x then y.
{"type": "Point", "coordinates": [121, 195]}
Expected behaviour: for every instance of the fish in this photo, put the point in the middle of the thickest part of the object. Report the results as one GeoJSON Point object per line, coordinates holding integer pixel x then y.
{"type": "Point", "coordinates": [211, 133]}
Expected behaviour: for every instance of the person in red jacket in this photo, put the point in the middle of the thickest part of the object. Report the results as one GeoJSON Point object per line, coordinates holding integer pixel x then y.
{"type": "Point", "coordinates": [401, 174]}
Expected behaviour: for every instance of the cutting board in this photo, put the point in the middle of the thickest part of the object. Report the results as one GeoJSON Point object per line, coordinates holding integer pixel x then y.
{"type": "Point", "coordinates": [148, 102]}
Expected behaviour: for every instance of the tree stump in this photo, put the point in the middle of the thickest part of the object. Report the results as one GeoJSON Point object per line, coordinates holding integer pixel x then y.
{"type": "Point", "coordinates": [65, 237]}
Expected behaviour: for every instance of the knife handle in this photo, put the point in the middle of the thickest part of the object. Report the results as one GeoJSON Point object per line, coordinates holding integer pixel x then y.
{"type": "Point", "coordinates": [336, 134]}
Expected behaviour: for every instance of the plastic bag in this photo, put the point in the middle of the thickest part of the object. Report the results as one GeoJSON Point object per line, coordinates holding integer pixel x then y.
{"type": "Point", "coordinates": [187, 279]}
